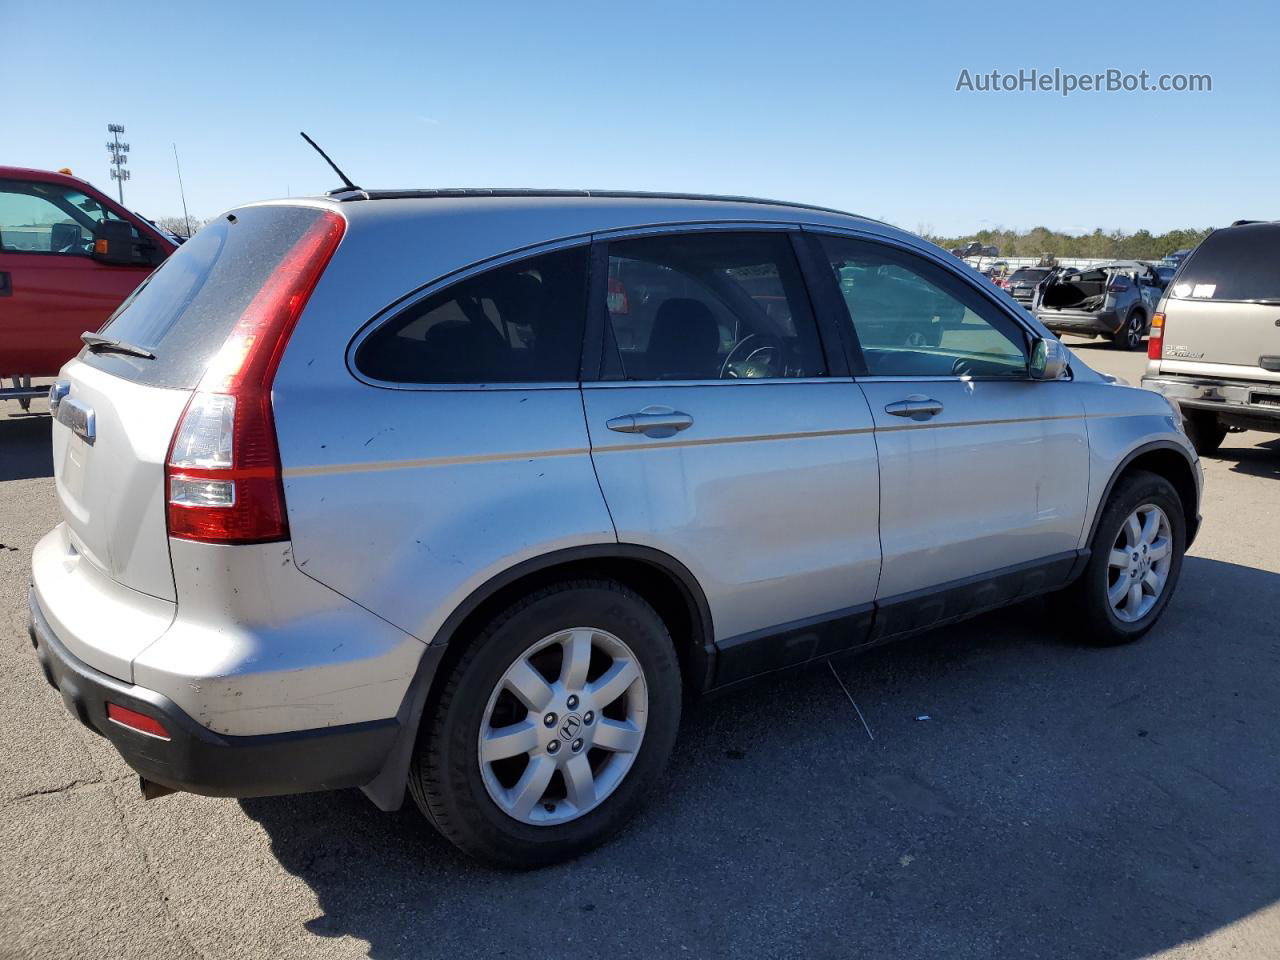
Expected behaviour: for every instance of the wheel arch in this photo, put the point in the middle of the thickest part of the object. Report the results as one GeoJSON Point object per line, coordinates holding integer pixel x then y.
{"type": "Point", "coordinates": [1166, 459]}
{"type": "Point", "coordinates": [659, 578]}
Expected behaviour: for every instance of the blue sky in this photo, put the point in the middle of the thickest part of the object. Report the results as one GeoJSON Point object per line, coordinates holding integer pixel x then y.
{"type": "Point", "coordinates": [827, 102]}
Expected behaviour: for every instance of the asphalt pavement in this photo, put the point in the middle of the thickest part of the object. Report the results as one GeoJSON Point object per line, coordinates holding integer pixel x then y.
{"type": "Point", "coordinates": [1023, 796]}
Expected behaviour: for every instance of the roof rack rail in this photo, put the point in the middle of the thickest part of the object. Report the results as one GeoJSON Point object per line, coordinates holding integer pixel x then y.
{"type": "Point", "coordinates": [438, 193]}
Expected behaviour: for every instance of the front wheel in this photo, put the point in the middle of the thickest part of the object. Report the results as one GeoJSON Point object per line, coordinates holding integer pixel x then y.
{"type": "Point", "coordinates": [551, 727]}
{"type": "Point", "coordinates": [1134, 564]}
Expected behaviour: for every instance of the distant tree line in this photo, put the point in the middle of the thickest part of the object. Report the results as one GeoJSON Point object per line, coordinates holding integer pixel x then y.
{"type": "Point", "coordinates": [177, 225]}
{"type": "Point", "coordinates": [1141, 245]}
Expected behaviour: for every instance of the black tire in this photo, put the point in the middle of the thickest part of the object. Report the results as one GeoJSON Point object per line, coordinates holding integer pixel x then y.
{"type": "Point", "coordinates": [1205, 431]}
{"type": "Point", "coordinates": [445, 778]}
{"type": "Point", "coordinates": [1129, 337]}
{"type": "Point", "coordinates": [1083, 606]}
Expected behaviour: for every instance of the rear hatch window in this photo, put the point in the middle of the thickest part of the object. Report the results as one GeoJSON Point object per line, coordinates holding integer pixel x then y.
{"type": "Point", "coordinates": [184, 311]}
{"type": "Point", "coordinates": [1238, 263]}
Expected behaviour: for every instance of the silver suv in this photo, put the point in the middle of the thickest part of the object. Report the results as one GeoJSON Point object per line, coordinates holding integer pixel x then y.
{"type": "Point", "coordinates": [467, 490]}
{"type": "Point", "coordinates": [1215, 342]}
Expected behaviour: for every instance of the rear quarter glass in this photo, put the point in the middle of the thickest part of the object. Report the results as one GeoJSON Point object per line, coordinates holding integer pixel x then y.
{"type": "Point", "coordinates": [1238, 263]}
{"type": "Point", "coordinates": [184, 311]}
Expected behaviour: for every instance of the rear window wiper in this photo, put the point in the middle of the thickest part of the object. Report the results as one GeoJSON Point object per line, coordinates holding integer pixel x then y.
{"type": "Point", "coordinates": [100, 344]}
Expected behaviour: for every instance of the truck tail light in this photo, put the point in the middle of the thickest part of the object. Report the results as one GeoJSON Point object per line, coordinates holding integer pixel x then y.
{"type": "Point", "coordinates": [222, 478]}
{"type": "Point", "coordinates": [1155, 339]}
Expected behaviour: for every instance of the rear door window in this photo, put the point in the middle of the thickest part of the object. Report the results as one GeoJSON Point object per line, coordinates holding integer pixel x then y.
{"type": "Point", "coordinates": [709, 306]}
{"type": "Point", "coordinates": [184, 311]}
{"type": "Point", "coordinates": [518, 323]}
{"type": "Point", "coordinates": [1238, 263]}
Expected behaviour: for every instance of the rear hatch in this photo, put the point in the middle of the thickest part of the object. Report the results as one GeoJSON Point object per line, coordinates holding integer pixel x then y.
{"type": "Point", "coordinates": [1083, 291]}
{"type": "Point", "coordinates": [115, 423]}
{"type": "Point", "coordinates": [1222, 311]}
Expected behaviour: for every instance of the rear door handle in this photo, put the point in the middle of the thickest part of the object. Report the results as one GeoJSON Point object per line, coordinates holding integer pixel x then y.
{"type": "Point", "coordinates": [6, 284]}
{"type": "Point", "coordinates": [652, 422]}
{"type": "Point", "coordinates": [916, 407]}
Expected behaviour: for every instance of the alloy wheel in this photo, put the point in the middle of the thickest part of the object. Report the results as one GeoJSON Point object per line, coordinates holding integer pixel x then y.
{"type": "Point", "coordinates": [1139, 564]}
{"type": "Point", "coordinates": [563, 726]}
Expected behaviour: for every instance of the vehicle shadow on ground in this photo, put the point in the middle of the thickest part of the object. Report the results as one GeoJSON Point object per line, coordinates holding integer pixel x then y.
{"type": "Point", "coordinates": [1260, 460]}
{"type": "Point", "coordinates": [26, 451]}
{"type": "Point", "coordinates": [1024, 796]}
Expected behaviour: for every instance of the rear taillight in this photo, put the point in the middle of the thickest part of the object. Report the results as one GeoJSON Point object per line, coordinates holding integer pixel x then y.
{"type": "Point", "coordinates": [223, 481]}
{"type": "Point", "coordinates": [1118, 286]}
{"type": "Point", "coordinates": [1155, 339]}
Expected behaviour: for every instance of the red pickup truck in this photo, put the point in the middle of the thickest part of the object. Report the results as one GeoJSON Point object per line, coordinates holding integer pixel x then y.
{"type": "Point", "coordinates": [69, 255]}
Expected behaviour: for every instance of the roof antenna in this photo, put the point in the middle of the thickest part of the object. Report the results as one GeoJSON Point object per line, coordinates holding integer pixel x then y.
{"type": "Point", "coordinates": [342, 176]}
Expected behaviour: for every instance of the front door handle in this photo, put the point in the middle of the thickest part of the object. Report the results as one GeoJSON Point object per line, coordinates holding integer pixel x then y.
{"type": "Point", "coordinates": [916, 407]}
{"type": "Point", "coordinates": [655, 422]}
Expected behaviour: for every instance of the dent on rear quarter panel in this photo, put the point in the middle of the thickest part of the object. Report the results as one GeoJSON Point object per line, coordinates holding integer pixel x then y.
{"type": "Point", "coordinates": [258, 647]}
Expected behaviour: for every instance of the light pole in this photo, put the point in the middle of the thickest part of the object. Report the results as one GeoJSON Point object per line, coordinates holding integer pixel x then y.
{"type": "Point", "coordinates": [118, 153]}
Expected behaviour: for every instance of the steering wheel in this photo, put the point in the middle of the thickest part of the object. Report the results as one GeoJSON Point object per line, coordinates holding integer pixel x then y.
{"type": "Point", "coordinates": [769, 343]}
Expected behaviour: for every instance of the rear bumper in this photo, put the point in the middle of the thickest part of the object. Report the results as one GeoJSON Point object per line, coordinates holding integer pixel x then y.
{"type": "Point", "coordinates": [1106, 322]}
{"type": "Point", "coordinates": [195, 758]}
{"type": "Point", "coordinates": [1239, 403]}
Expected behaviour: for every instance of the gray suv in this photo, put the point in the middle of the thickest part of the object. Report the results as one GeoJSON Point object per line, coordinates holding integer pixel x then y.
{"type": "Point", "coordinates": [1215, 344]}
{"type": "Point", "coordinates": [465, 492]}
{"type": "Point", "coordinates": [1113, 300]}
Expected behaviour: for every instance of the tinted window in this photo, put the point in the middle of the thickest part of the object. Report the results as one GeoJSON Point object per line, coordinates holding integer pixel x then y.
{"type": "Point", "coordinates": [519, 323]}
{"type": "Point", "coordinates": [1238, 263]}
{"type": "Point", "coordinates": [184, 311]}
{"type": "Point", "coordinates": [912, 319]}
{"type": "Point", "coordinates": [710, 306]}
{"type": "Point", "coordinates": [38, 217]}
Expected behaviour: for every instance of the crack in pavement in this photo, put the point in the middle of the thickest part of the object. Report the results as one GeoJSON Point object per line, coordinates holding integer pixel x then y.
{"type": "Point", "coordinates": [49, 791]}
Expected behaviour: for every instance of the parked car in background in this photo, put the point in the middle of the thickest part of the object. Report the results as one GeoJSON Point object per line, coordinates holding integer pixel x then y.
{"type": "Point", "coordinates": [1165, 272]}
{"type": "Point", "coordinates": [345, 506]}
{"type": "Point", "coordinates": [1114, 300]}
{"type": "Point", "coordinates": [1022, 283]}
{"type": "Point", "coordinates": [1215, 341]}
{"type": "Point", "coordinates": [1175, 259]}
{"type": "Point", "coordinates": [69, 255]}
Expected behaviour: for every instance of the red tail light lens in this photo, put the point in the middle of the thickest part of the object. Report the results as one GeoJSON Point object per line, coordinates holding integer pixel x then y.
{"type": "Point", "coordinates": [1118, 287]}
{"type": "Point", "coordinates": [1155, 339]}
{"type": "Point", "coordinates": [223, 479]}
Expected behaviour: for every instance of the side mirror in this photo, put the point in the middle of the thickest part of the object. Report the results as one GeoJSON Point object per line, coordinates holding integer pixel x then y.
{"type": "Point", "coordinates": [1048, 359]}
{"type": "Point", "coordinates": [114, 242]}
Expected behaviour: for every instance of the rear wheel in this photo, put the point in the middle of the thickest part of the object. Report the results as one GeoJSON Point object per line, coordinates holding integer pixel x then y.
{"type": "Point", "coordinates": [1130, 336]}
{"type": "Point", "coordinates": [551, 727]}
{"type": "Point", "coordinates": [1134, 564]}
{"type": "Point", "coordinates": [1205, 431]}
